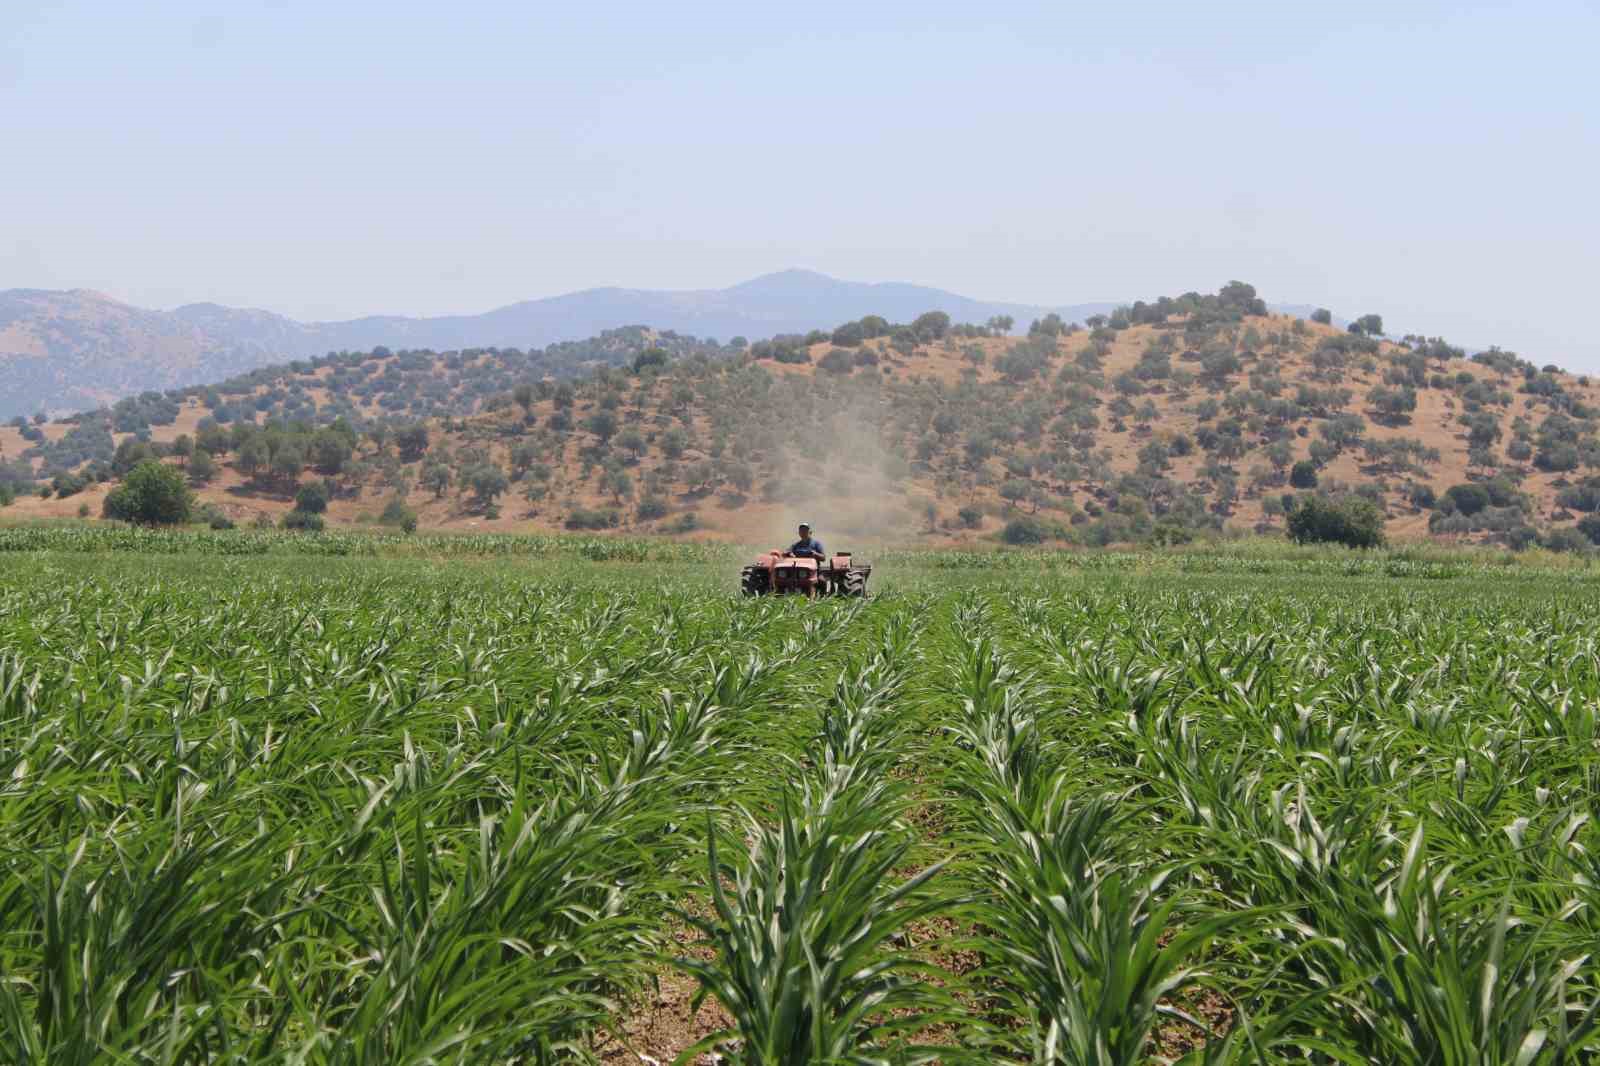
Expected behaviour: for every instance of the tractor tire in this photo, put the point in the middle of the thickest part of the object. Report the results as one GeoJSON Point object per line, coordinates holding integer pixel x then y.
{"type": "Point", "coordinates": [855, 583]}
{"type": "Point", "coordinates": [753, 581]}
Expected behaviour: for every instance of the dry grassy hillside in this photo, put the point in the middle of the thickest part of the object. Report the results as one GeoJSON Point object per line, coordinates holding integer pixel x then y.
{"type": "Point", "coordinates": [73, 349]}
{"type": "Point", "coordinates": [1191, 422]}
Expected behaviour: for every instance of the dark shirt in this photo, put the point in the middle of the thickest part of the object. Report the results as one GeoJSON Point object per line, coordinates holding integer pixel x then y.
{"type": "Point", "coordinates": [808, 546]}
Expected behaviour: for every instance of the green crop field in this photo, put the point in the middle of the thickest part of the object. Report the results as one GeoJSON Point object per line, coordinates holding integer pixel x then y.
{"type": "Point", "coordinates": [268, 807]}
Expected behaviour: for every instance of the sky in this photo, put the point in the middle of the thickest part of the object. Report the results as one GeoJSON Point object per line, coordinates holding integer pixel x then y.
{"type": "Point", "coordinates": [1435, 163]}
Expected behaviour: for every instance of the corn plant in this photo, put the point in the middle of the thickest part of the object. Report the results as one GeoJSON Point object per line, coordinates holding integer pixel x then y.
{"type": "Point", "coordinates": [1083, 950]}
{"type": "Point", "coordinates": [800, 927]}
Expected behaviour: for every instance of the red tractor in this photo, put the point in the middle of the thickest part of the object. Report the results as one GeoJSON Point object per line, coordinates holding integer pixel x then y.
{"type": "Point", "coordinates": [779, 572]}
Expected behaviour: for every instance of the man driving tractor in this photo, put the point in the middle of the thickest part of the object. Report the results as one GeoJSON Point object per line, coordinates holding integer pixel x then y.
{"type": "Point", "coordinates": [807, 547]}
{"type": "Point", "coordinates": [805, 569]}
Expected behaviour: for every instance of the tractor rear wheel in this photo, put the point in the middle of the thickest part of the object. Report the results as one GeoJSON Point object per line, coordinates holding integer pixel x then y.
{"type": "Point", "coordinates": [855, 583]}
{"type": "Point", "coordinates": [753, 580]}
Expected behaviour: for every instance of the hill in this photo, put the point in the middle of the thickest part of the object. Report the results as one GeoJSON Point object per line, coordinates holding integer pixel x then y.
{"type": "Point", "coordinates": [79, 349]}
{"type": "Point", "coordinates": [71, 350]}
{"type": "Point", "coordinates": [1156, 423]}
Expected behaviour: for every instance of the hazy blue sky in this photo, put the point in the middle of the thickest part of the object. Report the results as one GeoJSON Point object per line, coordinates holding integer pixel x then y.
{"type": "Point", "coordinates": [1436, 163]}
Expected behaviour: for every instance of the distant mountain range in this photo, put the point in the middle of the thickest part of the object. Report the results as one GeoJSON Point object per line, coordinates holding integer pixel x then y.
{"type": "Point", "coordinates": [71, 350]}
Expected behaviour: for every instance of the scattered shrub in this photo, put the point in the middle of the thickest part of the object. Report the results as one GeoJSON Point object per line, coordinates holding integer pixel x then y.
{"type": "Point", "coordinates": [1026, 529]}
{"type": "Point", "coordinates": [651, 508]}
{"type": "Point", "coordinates": [1584, 497]}
{"type": "Point", "coordinates": [1352, 521]}
{"type": "Point", "coordinates": [1466, 499]}
{"type": "Point", "coordinates": [1566, 539]}
{"type": "Point", "coordinates": [152, 494]}
{"type": "Point", "coordinates": [837, 361]}
{"type": "Point", "coordinates": [67, 484]}
{"type": "Point", "coordinates": [312, 498]}
{"type": "Point", "coordinates": [303, 522]}
{"type": "Point", "coordinates": [601, 518]}
{"type": "Point", "coordinates": [397, 513]}
{"type": "Point", "coordinates": [213, 517]}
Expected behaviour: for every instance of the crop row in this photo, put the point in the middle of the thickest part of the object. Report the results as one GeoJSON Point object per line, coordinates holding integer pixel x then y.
{"type": "Point", "coordinates": [1246, 559]}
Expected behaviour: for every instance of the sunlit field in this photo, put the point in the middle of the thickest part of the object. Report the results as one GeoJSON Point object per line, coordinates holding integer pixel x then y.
{"type": "Point", "coordinates": [279, 808]}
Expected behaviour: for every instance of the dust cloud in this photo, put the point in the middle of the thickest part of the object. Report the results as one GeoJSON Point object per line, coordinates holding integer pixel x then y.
{"type": "Point", "coordinates": [846, 484]}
